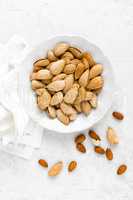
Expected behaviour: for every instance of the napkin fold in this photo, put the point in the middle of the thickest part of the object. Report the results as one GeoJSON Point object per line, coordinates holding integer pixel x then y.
{"type": "Point", "coordinates": [20, 135]}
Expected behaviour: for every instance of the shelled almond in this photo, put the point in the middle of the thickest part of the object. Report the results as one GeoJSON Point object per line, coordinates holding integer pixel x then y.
{"type": "Point", "coordinates": [67, 79]}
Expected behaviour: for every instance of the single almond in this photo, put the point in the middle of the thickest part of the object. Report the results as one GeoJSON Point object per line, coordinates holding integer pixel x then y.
{"type": "Point", "coordinates": [55, 169]}
{"type": "Point", "coordinates": [80, 138]}
{"type": "Point", "coordinates": [96, 70]}
{"type": "Point", "coordinates": [69, 80]}
{"type": "Point", "coordinates": [121, 169]}
{"type": "Point", "coordinates": [76, 52]}
{"type": "Point", "coordinates": [36, 84]}
{"type": "Point", "coordinates": [43, 163]}
{"type": "Point", "coordinates": [79, 70]}
{"type": "Point", "coordinates": [67, 109]}
{"type": "Point", "coordinates": [83, 80]}
{"type": "Point", "coordinates": [68, 55]}
{"type": "Point", "coordinates": [118, 115]}
{"type": "Point", "coordinates": [112, 136]}
{"type": "Point", "coordinates": [99, 150]}
{"type": "Point", "coordinates": [71, 95]}
{"type": "Point", "coordinates": [95, 83]}
{"type": "Point", "coordinates": [72, 166]}
{"type": "Point", "coordinates": [51, 56]}
{"type": "Point", "coordinates": [109, 154]}
{"type": "Point", "coordinates": [51, 112]}
{"type": "Point", "coordinates": [89, 57]}
{"type": "Point", "coordinates": [62, 117]}
{"type": "Point", "coordinates": [86, 108]}
{"type": "Point", "coordinates": [57, 67]}
{"type": "Point", "coordinates": [44, 100]}
{"type": "Point", "coordinates": [59, 77]}
{"type": "Point", "coordinates": [56, 86]}
{"type": "Point", "coordinates": [80, 147]}
{"type": "Point", "coordinates": [69, 69]}
{"type": "Point", "coordinates": [39, 64]}
{"type": "Point", "coordinates": [43, 74]}
{"type": "Point", "coordinates": [94, 135]}
{"type": "Point", "coordinates": [93, 101]}
{"type": "Point", "coordinates": [60, 48]}
{"type": "Point", "coordinates": [85, 62]}
{"type": "Point", "coordinates": [56, 98]}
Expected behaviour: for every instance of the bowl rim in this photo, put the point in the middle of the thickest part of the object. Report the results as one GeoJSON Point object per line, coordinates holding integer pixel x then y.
{"type": "Point", "coordinates": [65, 131]}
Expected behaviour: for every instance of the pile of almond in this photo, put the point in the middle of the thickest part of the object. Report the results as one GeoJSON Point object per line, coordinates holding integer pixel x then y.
{"type": "Point", "coordinates": [67, 82]}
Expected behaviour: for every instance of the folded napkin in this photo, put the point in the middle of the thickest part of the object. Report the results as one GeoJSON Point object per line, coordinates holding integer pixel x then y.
{"type": "Point", "coordinates": [19, 135]}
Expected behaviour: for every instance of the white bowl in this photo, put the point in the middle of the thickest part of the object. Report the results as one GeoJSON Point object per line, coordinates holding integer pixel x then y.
{"type": "Point", "coordinates": [28, 97]}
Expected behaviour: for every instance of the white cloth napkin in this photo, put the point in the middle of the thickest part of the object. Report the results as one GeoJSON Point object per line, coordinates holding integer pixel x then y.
{"type": "Point", "coordinates": [20, 135]}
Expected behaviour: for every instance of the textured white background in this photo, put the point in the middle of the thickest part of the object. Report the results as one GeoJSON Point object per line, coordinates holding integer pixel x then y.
{"type": "Point", "coordinates": [109, 24]}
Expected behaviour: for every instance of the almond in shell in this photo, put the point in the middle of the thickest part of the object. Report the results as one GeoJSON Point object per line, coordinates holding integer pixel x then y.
{"type": "Point", "coordinates": [56, 99]}
{"type": "Point", "coordinates": [44, 100]}
{"type": "Point", "coordinates": [51, 112]}
{"type": "Point", "coordinates": [57, 67]}
{"type": "Point", "coordinates": [62, 117]}
{"type": "Point", "coordinates": [83, 80]}
{"type": "Point", "coordinates": [60, 48]}
{"type": "Point", "coordinates": [96, 70]}
{"type": "Point", "coordinates": [71, 95]}
{"type": "Point", "coordinates": [55, 169]}
{"type": "Point", "coordinates": [95, 83]}
{"type": "Point", "coordinates": [69, 69]}
{"type": "Point", "coordinates": [112, 136]}
{"type": "Point", "coordinates": [86, 108]}
{"type": "Point", "coordinates": [69, 80]}
{"type": "Point", "coordinates": [72, 166]}
{"type": "Point", "coordinates": [56, 86]}
{"type": "Point", "coordinates": [79, 70]}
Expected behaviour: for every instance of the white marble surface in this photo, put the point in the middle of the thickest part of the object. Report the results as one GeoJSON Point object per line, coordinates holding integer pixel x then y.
{"type": "Point", "coordinates": [109, 24]}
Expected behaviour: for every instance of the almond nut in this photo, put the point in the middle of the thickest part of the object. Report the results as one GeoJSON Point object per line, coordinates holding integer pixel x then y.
{"type": "Point", "coordinates": [51, 112]}
{"type": "Point", "coordinates": [88, 96]}
{"type": "Point", "coordinates": [67, 109]}
{"type": "Point", "coordinates": [112, 136]}
{"type": "Point", "coordinates": [94, 135]}
{"type": "Point", "coordinates": [95, 83]}
{"type": "Point", "coordinates": [80, 147]}
{"type": "Point", "coordinates": [43, 74]}
{"type": "Point", "coordinates": [69, 69]}
{"type": "Point", "coordinates": [85, 62]}
{"type": "Point", "coordinates": [79, 70]}
{"type": "Point", "coordinates": [71, 95]}
{"type": "Point", "coordinates": [56, 86]}
{"type": "Point", "coordinates": [69, 80]}
{"type": "Point", "coordinates": [62, 117]}
{"type": "Point", "coordinates": [72, 166]}
{"type": "Point", "coordinates": [76, 52]}
{"type": "Point", "coordinates": [83, 80]}
{"type": "Point", "coordinates": [44, 100]}
{"type": "Point", "coordinates": [118, 115]}
{"type": "Point", "coordinates": [82, 94]}
{"type": "Point", "coordinates": [86, 108]}
{"type": "Point", "coordinates": [75, 61]}
{"type": "Point", "coordinates": [39, 64]}
{"type": "Point", "coordinates": [68, 55]}
{"type": "Point", "coordinates": [59, 77]}
{"type": "Point", "coordinates": [56, 98]}
{"type": "Point", "coordinates": [109, 154]}
{"type": "Point", "coordinates": [55, 169]}
{"type": "Point", "coordinates": [57, 67]}
{"type": "Point", "coordinates": [60, 48]}
{"type": "Point", "coordinates": [99, 150]}
{"type": "Point", "coordinates": [36, 84]}
{"type": "Point", "coordinates": [96, 70]}
{"type": "Point", "coordinates": [80, 138]}
{"type": "Point", "coordinates": [51, 56]}
{"type": "Point", "coordinates": [43, 163]}
{"type": "Point", "coordinates": [121, 169]}
{"type": "Point", "coordinates": [89, 57]}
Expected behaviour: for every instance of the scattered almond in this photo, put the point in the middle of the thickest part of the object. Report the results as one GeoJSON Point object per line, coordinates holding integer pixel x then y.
{"type": "Point", "coordinates": [80, 147]}
{"type": "Point", "coordinates": [80, 138]}
{"type": "Point", "coordinates": [118, 115]}
{"type": "Point", "coordinates": [112, 136]}
{"type": "Point", "coordinates": [94, 135]}
{"type": "Point", "coordinates": [109, 154]}
{"type": "Point", "coordinates": [43, 163]}
{"type": "Point", "coordinates": [55, 169]}
{"type": "Point", "coordinates": [121, 169]}
{"type": "Point", "coordinates": [99, 150]}
{"type": "Point", "coordinates": [72, 166]}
